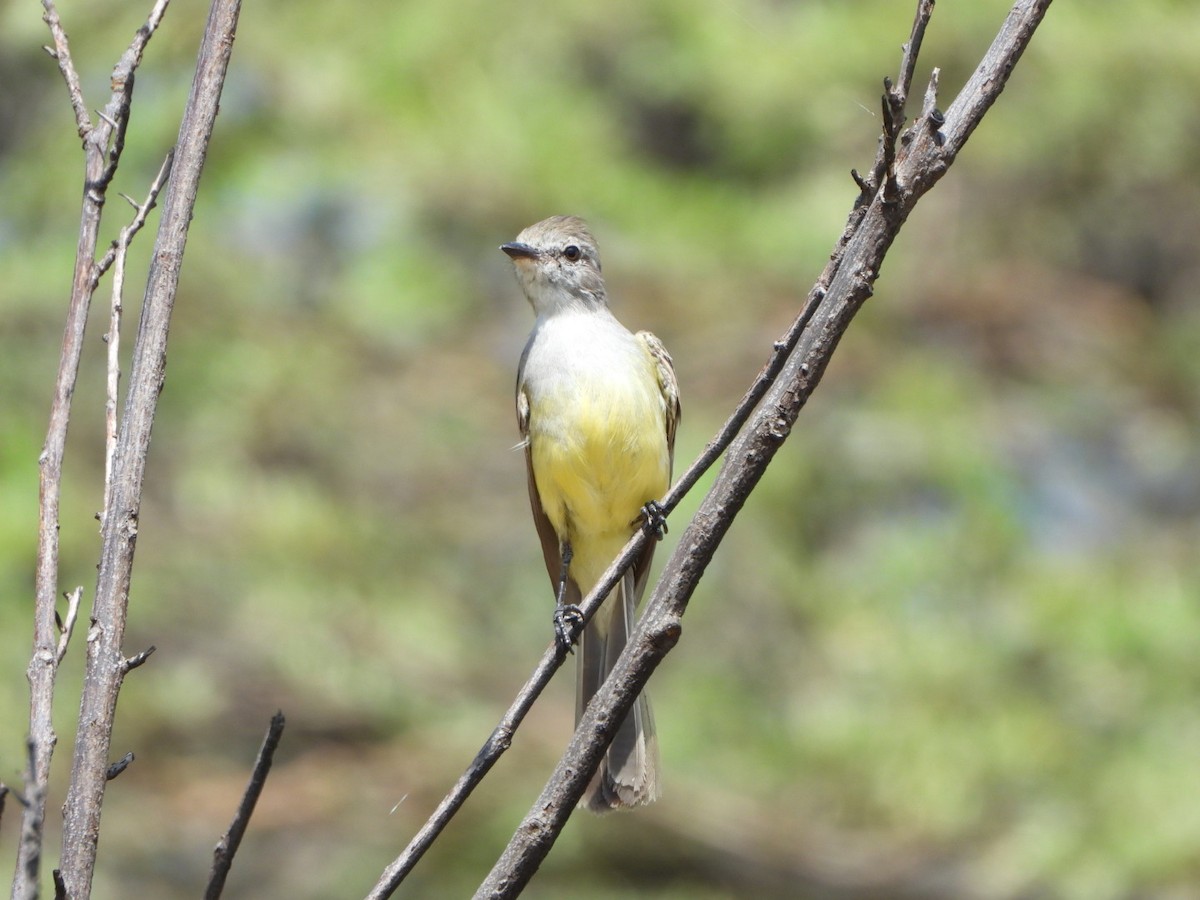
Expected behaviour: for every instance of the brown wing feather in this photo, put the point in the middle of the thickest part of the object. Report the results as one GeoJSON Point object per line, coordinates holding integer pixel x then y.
{"type": "Point", "coordinates": [551, 549]}
{"type": "Point", "coordinates": [664, 368]}
{"type": "Point", "coordinates": [665, 371]}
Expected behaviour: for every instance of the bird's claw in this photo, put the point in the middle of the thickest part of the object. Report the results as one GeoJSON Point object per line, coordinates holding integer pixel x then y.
{"type": "Point", "coordinates": [567, 621]}
{"type": "Point", "coordinates": [653, 520]}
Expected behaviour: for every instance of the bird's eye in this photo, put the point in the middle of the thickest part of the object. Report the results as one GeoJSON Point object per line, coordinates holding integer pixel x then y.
{"type": "Point", "coordinates": [572, 252]}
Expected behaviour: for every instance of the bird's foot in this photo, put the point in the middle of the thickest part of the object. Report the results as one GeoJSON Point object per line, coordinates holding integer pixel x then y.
{"type": "Point", "coordinates": [653, 520]}
{"type": "Point", "coordinates": [567, 621]}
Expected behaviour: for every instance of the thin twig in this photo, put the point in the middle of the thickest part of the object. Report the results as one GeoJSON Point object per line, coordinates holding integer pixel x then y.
{"type": "Point", "coordinates": [67, 628]}
{"type": "Point", "coordinates": [115, 115]}
{"type": "Point", "coordinates": [228, 845]}
{"type": "Point", "coordinates": [912, 49]}
{"type": "Point", "coordinates": [139, 219]}
{"type": "Point", "coordinates": [119, 766]}
{"type": "Point", "coordinates": [62, 53]}
{"type": "Point", "coordinates": [116, 257]}
{"type": "Point", "coordinates": [138, 659]}
{"type": "Point", "coordinates": [113, 379]}
{"type": "Point", "coordinates": [929, 107]}
{"type": "Point", "coordinates": [894, 100]}
{"type": "Point", "coordinates": [922, 162]}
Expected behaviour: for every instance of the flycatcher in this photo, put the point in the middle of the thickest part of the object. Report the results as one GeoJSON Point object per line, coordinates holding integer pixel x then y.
{"type": "Point", "coordinates": [597, 407]}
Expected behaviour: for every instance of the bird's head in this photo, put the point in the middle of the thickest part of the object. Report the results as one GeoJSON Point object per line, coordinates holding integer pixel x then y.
{"type": "Point", "coordinates": [557, 264]}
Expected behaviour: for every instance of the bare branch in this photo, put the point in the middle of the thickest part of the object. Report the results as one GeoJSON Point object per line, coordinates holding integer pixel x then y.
{"type": "Point", "coordinates": [99, 165]}
{"type": "Point", "coordinates": [67, 627]}
{"type": "Point", "coordinates": [116, 257]}
{"type": "Point", "coordinates": [62, 53]}
{"type": "Point", "coordinates": [115, 115]}
{"type": "Point", "coordinates": [912, 49]}
{"type": "Point", "coordinates": [113, 378]}
{"type": "Point", "coordinates": [142, 211]}
{"type": "Point", "coordinates": [497, 743]}
{"type": "Point", "coordinates": [922, 160]}
{"type": "Point", "coordinates": [107, 120]}
{"type": "Point", "coordinates": [894, 100]}
{"type": "Point", "coordinates": [501, 738]}
{"type": "Point", "coordinates": [227, 847]}
{"type": "Point", "coordinates": [29, 853]}
{"type": "Point", "coordinates": [106, 665]}
{"type": "Point", "coordinates": [930, 105]}
{"type": "Point", "coordinates": [119, 766]}
{"type": "Point", "coordinates": [138, 659]}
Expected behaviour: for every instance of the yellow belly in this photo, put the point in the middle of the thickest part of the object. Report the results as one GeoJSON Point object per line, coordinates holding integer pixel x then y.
{"type": "Point", "coordinates": [598, 456]}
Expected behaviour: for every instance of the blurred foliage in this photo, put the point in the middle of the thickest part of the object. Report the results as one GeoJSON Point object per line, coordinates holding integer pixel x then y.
{"type": "Point", "coordinates": [949, 648]}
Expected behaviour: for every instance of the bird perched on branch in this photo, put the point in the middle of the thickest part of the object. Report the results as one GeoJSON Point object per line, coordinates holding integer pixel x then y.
{"type": "Point", "coordinates": [597, 407]}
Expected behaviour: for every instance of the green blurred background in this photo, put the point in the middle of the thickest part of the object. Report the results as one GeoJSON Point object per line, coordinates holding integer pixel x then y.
{"type": "Point", "coordinates": [949, 649]}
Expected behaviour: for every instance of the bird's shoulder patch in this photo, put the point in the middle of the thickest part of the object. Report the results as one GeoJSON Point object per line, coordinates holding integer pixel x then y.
{"type": "Point", "coordinates": [523, 415]}
{"type": "Point", "coordinates": [664, 369]}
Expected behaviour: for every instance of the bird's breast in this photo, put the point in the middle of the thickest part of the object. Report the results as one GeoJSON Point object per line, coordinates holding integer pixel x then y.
{"type": "Point", "coordinates": [597, 429]}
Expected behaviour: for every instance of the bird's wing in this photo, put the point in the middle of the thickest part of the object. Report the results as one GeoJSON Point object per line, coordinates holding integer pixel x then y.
{"type": "Point", "coordinates": [664, 369]}
{"type": "Point", "coordinates": [551, 550]}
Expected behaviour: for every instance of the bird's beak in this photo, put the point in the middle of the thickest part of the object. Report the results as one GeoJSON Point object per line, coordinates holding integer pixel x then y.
{"type": "Point", "coordinates": [518, 250]}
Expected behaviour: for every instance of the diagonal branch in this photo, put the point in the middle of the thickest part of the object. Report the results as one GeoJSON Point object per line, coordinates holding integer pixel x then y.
{"type": "Point", "coordinates": [501, 738]}
{"type": "Point", "coordinates": [925, 154]}
{"type": "Point", "coordinates": [61, 52]}
{"type": "Point", "coordinates": [115, 115]}
{"type": "Point", "coordinates": [228, 845]}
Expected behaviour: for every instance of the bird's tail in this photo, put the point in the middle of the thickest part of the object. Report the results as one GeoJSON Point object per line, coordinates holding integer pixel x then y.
{"type": "Point", "coordinates": [628, 774]}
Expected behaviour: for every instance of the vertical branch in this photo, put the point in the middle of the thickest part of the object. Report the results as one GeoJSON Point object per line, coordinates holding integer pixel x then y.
{"type": "Point", "coordinates": [117, 254]}
{"type": "Point", "coordinates": [106, 665]}
{"type": "Point", "coordinates": [29, 851]}
{"type": "Point", "coordinates": [112, 383]}
{"type": "Point", "coordinates": [100, 161]}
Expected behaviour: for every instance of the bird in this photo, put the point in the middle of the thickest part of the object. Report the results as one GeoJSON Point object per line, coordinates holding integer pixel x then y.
{"type": "Point", "coordinates": [597, 408]}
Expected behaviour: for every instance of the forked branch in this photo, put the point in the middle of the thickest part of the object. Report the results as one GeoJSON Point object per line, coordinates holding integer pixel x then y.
{"type": "Point", "coordinates": [49, 641]}
{"type": "Point", "coordinates": [106, 664]}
